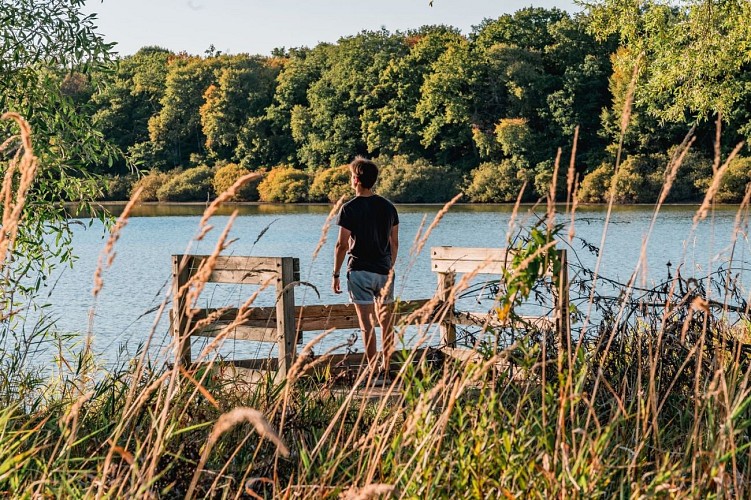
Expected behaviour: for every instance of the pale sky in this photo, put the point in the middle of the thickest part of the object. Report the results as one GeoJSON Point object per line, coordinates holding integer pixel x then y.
{"type": "Point", "coordinates": [258, 26]}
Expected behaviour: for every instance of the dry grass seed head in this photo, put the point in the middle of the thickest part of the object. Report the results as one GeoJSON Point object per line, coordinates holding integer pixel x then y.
{"type": "Point", "coordinates": [107, 256]}
{"type": "Point", "coordinates": [701, 214]}
{"type": "Point", "coordinates": [225, 423]}
{"type": "Point", "coordinates": [327, 224]}
{"type": "Point", "coordinates": [224, 197]}
{"type": "Point", "coordinates": [367, 492]}
{"type": "Point", "coordinates": [27, 166]}
{"type": "Point", "coordinates": [435, 222]}
{"type": "Point", "coordinates": [571, 173]}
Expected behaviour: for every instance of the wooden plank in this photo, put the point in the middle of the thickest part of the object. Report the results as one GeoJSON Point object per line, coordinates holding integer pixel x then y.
{"type": "Point", "coordinates": [270, 364]}
{"type": "Point", "coordinates": [467, 253]}
{"type": "Point", "coordinates": [241, 332]}
{"type": "Point", "coordinates": [466, 260]}
{"type": "Point", "coordinates": [467, 266]}
{"type": "Point", "coordinates": [307, 318]}
{"type": "Point", "coordinates": [469, 318]}
{"type": "Point", "coordinates": [235, 269]}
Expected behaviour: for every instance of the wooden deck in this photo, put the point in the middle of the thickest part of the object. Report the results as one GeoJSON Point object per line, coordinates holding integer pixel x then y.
{"type": "Point", "coordinates": [284, 322]}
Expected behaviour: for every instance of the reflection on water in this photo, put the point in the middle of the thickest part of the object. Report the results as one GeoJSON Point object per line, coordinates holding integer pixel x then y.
{"type": "Point", "coordinates": [138, 281]}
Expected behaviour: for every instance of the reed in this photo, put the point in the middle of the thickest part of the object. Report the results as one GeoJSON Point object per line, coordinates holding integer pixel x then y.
{"type": "Point", "coordinates": [649, 401]}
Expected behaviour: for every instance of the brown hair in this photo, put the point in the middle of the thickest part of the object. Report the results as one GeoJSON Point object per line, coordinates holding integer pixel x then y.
{"type": "Point", "coordinates": [365, 170]}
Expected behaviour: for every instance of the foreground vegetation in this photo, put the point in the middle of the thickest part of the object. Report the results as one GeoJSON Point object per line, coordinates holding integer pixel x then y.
{"type": "Point", "coordinates": [649, 396]}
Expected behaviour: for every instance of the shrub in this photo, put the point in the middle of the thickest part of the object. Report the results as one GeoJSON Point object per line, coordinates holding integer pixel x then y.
{"type": "Point", "coordinates": [284, 184]}
{"type": "Point", "coordinates": [227, 175]}
{"type": "Point", "coordinates": [150, 183]}
{"type": "Point", "coordinates": [544, 176]}
{"type": "Point", "coordinates": [595, 186]}
{"type": "Point", "coordinates": [734, 182]}
{"type": "Point", "coordinates": [498, 182]}
{"type": "Point", "coordinates": [331, 184]}
{"type": "Point", "coordinates": [640, 179]}
{"type": "Point", "coordinates": [193, 184]}
{"type": "Point", "coordinates": [116, 187]}
{"type": "Point", "coordinates": [416, 182]}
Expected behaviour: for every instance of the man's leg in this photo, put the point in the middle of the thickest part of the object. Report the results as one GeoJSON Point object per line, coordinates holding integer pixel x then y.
{"type": "Point", "coordinates": [365, 313]}
{"type": "Point", "coordinates": [386, 320]}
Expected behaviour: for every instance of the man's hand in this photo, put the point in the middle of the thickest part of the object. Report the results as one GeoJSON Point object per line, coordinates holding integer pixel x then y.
{"type": "Point", "coordinates": [336, 285]}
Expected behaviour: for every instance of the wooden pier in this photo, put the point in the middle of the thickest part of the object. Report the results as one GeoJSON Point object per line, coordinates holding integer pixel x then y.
{"type": "Point", "coordinates": [285, 322]}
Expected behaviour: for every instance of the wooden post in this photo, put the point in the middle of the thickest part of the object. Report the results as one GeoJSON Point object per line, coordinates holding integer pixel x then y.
{"type": "Point", "coordinates": [448, 329]}
{"type": "Point", "coordinates": [285, 315]}
{"type": "Point", "coordinates": [180, 276]}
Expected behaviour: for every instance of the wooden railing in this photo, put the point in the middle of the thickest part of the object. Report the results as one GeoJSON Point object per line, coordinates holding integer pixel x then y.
{"type": "Point", "coordinates": [284, 322]}
{"type": "Point", "coordinates": [447, 262]}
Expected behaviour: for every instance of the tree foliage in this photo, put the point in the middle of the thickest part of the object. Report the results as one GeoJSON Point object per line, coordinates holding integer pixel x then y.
{"type": "Point", "coordinates": [510, 94]}
{"type": "Point", "coordinates": [51, 59]}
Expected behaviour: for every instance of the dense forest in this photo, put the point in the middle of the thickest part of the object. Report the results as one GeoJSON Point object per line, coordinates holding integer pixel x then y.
{"type": "Point", "coordinates": [483, 113]}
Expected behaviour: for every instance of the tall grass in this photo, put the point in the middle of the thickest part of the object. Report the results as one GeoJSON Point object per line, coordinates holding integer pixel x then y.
{"type": "Point", "coordinates": [653, 398]}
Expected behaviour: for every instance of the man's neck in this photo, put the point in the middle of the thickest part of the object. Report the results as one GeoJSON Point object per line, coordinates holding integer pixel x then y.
{"type": "Point", "coordinates": [365, 192]}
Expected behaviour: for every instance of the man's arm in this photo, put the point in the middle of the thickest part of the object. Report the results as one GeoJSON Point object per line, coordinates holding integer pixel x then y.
{"type": "Point", "coordinates": [394, 243]}
{"type": "Point", "coordinates": [340, 251]}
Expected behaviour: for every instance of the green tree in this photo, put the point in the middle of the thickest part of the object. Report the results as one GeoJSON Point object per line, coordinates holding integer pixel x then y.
{"type": "Point", "coordinates": [39, 42]}
{"type": "Point", "coordinates": [389, 121]}
{"type": "Point", "coordinates": [271, 139]}
{"type": "Point", "coordinates": [691, 54]}
{"type": "Point", "coordinates": [446, 104]}
{"type": "Point", "coordinates": [129, 96]}
{"type": "Point", "coordinates": [243, 91]}
{"type": "Point", "coordinates": [176, 129]}
{"type": "Point", "coordinates": [328, 130]}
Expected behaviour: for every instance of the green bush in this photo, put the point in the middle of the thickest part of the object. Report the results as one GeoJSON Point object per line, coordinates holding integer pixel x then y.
{"type": "Point", "coordinates": [116, 187]}
{"type": "Point", "coordinates": [228, 174]}
{"type": "Point", "coordinates": [151, 183]}
{"type": "Point", "coordinates": [416, 182]}
{"type": "Point", "coordinates": [734, 182]}
{"type": "Point", "coordinates": [544, 176]}
{"type": "Point", "coordinates": [498, 182]}
{"type": "Point", "coordinates": [284, 184]}
{"type": "Point", "coordinates": [595, 186]}
{"type": "Point", "coordinates": [640, 179]}
{"type": "Point", "coordinates": [331, 184]}
{"type": "Point", "coordinates": [193, 184]}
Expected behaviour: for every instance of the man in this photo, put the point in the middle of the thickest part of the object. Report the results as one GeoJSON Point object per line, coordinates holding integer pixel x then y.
{"type": "Point", "coordinates": [369, 231]}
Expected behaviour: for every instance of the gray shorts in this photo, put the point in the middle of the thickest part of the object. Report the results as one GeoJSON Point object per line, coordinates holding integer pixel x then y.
{"type": "Point", "coordinates": [366, 288]}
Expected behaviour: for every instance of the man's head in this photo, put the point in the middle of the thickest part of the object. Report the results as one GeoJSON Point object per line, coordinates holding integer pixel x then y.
{"type": "Point", "coordinates": [364, 172]}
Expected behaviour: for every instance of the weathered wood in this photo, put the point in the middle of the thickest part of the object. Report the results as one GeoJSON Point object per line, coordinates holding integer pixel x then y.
{"type": "Point", "coordinates": [469, 253]}
{"type": "Point", "coordinates": [492, 321]}
{"type": "Point", "coordinates": [307, 318]}
{"type": "Point", "coordinates": [466, 260]}
{"type": "Point", "coordinates": [239, 269]}
{"type": "Point", "coordinates": [179, 316]}
{"type": "Point", "coordinates": [240, 332]}
{"type": "Point", "coordinates": [285, 315]}
{"type": "Point", "coordinates": [448, 329]}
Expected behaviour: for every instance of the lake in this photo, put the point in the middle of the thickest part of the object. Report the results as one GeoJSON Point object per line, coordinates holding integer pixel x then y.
{"type": "Point", "coordinates": [124, 314]}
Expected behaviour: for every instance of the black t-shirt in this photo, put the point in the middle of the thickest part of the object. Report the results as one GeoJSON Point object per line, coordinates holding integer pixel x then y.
{"type": "Point", "coordinates": [370, 219]}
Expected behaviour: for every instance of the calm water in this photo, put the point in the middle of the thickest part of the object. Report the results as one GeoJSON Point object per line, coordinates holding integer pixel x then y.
{"type": "Point", "coordinates": [137, 283]}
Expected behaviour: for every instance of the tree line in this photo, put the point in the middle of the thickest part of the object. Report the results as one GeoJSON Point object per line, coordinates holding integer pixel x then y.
{"type": "Point", "coordinates": [483, 113]}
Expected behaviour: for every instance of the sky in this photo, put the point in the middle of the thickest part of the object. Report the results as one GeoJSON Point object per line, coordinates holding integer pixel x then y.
{"type": "Point", "coordinates": [258, 26]}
